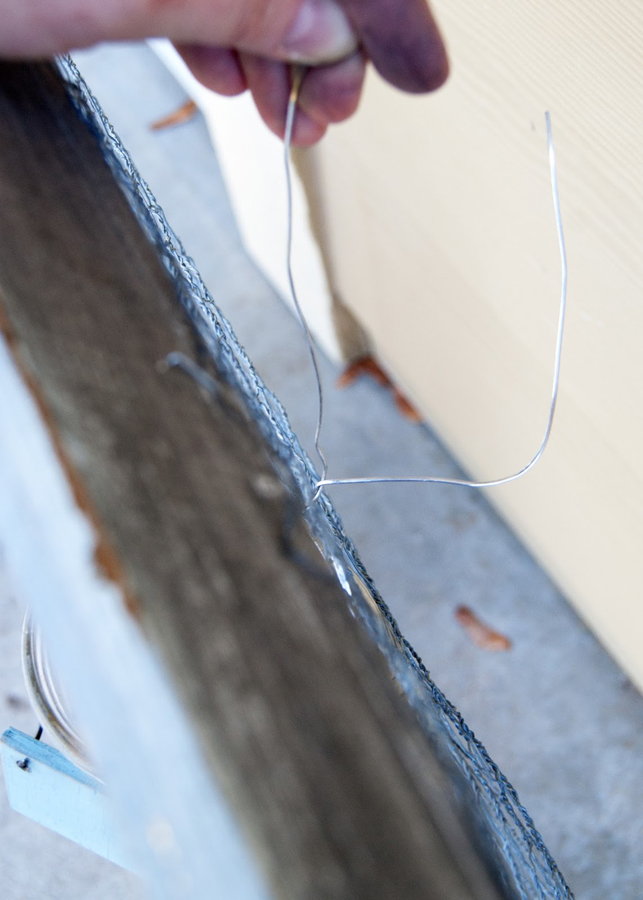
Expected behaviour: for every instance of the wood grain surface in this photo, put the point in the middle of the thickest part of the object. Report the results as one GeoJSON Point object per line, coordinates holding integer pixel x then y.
{"type": "Point", "coordinates": [316, 749]}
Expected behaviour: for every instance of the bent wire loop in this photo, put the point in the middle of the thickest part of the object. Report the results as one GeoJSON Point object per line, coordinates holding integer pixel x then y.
{"type": "Point", "coordinates": [325, 481]}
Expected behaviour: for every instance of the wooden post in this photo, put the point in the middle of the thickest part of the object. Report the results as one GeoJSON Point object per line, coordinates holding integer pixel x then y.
{"type": "Point", "coordinates": [315, 747]}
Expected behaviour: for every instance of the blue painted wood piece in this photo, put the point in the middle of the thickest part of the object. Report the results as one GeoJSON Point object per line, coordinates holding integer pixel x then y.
{"type": "Point", "coordinates": [48, 788]}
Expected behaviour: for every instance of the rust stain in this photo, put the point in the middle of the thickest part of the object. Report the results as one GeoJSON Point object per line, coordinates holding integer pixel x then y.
{"type": "Point", "coordinates": [369, 367]}
{"type": "Point", "coordinates": [105, 557]}
{"type": "Point", "coordinates": [480, 634]}
{"type": "Point", "coordinates": [184, 113]}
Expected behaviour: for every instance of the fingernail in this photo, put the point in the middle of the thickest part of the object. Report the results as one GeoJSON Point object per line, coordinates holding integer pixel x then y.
{"type": "Point", "coordinates": [320, 34]}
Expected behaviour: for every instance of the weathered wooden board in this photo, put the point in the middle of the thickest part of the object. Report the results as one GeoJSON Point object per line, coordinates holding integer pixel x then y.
{"type": "Point", "coordinates": [316, 749]}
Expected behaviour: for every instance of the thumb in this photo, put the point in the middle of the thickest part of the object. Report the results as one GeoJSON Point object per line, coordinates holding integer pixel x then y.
{"type": "Point", "coordinates": [307, 31]}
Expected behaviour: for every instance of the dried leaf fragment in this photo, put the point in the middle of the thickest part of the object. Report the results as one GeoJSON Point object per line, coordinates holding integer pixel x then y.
{"type": "Point", "coordinates": [406, 408]}
{"type": "Point", "coordinates": [365, 365]}
{"type": "Point", "coordinates": [369, 366]}
{"type": "Point", "coordinates": [480, 634]}
{"type": "Point", "coordinates": [183, 114]}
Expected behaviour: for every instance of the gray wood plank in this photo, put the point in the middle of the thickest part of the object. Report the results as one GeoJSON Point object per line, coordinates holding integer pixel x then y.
{"type": "Point", "coordinates": [317, 751]}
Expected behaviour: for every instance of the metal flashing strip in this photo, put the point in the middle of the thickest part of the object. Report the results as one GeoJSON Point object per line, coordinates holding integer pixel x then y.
{"type": "Point", "coordinates": [48, 788]}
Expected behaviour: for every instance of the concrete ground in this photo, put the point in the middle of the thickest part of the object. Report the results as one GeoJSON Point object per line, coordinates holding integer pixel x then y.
{"type": "Point", "coordinates": [558, 716]}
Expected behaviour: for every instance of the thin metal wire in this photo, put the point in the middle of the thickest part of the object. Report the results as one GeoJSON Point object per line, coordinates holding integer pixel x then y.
{"type": "Point", "coordinates": [178, 360]}
{"type": "Point", "coordinates": [298, 73]}
{"type": "Point", "coordinates": [324, 481]}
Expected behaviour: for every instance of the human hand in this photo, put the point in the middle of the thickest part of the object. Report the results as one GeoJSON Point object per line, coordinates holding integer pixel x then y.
{"type": "Point", "coordinates": [234, 45]}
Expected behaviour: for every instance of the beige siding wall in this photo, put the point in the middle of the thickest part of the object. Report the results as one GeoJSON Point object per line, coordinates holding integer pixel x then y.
{"type": "Point", "coordinates": [440, 229]}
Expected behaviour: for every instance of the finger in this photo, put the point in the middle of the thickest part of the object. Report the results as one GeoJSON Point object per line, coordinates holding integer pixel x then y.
{"type": "Point", "coordinates": [269, 82]}
{"type": "Point", "coordinates": [216, 67]}
{"type": "Point", "coordinates": [331, 93]}
{"type": "Point", "coordinates": [402, 40]}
